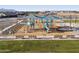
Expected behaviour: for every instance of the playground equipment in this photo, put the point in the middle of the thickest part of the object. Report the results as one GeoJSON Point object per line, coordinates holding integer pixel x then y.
{"type": "Point", "coordinates": [34, 22]}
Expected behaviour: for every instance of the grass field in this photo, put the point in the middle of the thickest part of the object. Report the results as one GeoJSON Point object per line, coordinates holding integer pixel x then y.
{"type": "Point", "coordinates": [39, 46]}
{"type": "Point", "coordinates": [72, 21]}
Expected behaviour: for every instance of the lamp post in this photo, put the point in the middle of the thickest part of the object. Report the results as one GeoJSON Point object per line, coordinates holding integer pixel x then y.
{"type": "Point", "coordinates": [75, 22]}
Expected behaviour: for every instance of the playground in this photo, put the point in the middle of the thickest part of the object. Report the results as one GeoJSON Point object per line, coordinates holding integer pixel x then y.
{"type": "Point", "coordinates": [34, 25]}
{"type": "Point", "coordinates": [40, 25]}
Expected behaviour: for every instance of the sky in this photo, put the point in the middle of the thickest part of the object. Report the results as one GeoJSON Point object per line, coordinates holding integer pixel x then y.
{"type": "Point", "coordinates": [40, 7]}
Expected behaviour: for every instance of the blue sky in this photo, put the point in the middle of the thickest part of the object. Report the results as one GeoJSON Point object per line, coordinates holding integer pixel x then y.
{"type": "Point", "coordinates": [40, 7]}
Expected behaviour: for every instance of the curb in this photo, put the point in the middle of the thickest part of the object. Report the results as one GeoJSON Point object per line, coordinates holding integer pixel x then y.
{"type": "Point", "coordinates": [57, 37]}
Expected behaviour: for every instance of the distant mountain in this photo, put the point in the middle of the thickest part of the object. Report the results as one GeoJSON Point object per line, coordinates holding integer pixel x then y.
{"type": "Point", "coordinates": [10, 13]}
{"type": "Point", "coordinates": [7, 10]}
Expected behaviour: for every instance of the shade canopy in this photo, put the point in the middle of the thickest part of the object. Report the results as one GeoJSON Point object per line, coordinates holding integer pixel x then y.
{"type": "Point", "coordinates": [49, 17]}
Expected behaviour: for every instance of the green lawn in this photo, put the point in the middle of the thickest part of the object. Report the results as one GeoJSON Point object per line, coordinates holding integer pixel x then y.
{"type": "Point", "coordinates": [73, 21]}
{"type": "Point", "coordinates": [39, 46]}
